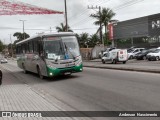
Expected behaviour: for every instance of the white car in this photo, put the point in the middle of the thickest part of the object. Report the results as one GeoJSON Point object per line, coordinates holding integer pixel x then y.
{"type": "Point", "coordinates": [154, 55]}
{"type": "Point", "coordinates": [101, 54]}
{"type": "Point", "coordinates": [132, 53]}
{"type": "Point", "coordinates": [114, 56]}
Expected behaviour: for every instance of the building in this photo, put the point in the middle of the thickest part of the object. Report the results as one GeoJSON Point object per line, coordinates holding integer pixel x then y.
{"type": "Point", "coordinates": [140, 32]}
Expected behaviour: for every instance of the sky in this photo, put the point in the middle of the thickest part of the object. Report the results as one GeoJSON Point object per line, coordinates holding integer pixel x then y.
{"type": "Point", "coordinates": [78, 16]}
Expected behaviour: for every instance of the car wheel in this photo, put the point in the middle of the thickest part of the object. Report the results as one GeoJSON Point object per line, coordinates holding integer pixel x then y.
{"type": "Point", "coordinates": [39, 73]}
{"type": "Point", "coordinates": [124, 62]}
{"type": "Point", "coordinates": [144, 58]}
{"type": "Point", "coordinates": [114, 61]}
{"type": "Point", "coordinates": [157, 58]}
{"type": "Point", "coordinates": [103, 61]}
{"type": "Point", "coordinates": [131, 57]}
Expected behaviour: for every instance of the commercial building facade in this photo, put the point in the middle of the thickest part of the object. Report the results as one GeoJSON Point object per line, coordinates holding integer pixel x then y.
{"type": "Point", "coordinates": [140, 32]}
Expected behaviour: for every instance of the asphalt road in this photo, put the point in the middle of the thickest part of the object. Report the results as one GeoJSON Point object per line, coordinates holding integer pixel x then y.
{"type": "Point", "coordinates": [96, 89]}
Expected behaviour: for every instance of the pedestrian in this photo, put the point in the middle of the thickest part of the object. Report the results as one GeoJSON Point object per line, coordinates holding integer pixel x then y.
{"type": "Point", "coordinates": [0, 77]}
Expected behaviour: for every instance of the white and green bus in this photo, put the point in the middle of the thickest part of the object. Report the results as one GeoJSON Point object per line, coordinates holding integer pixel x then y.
{"type": "Point", "coordinates": [50, 54]}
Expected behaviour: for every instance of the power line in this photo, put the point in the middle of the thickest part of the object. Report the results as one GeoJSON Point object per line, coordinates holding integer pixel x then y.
{"type": "Point", "coordinates": [126, 4]}
{"type": "Point", "coordinates": [132, 2]}
{"type": "Point", "coordinates": [19, 28]}
{"type": "Point", "coordinates": [103, 2]}
{"type": "Point", "coordinates": [87, 9]}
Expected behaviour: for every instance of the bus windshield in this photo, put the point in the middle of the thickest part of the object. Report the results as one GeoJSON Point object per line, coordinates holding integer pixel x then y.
{"type": "Point", "coordinates": [61, 48]}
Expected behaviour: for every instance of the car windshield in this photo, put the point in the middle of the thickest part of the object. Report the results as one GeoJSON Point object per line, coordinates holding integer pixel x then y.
{"type": "Point", "coordinates": [61, 47]}
{"type": "Point", "coordinates": [156, 51]}
{"type": "Point", "coordinates": [144, 51]}
{"type": "Point", "coordinates": [130, 51]}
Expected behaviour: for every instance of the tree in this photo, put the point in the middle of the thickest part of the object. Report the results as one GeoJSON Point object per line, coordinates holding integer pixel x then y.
{"type": "Point", "coordinates": [83, 40]}
{"type": "Point", "coordinates": [1, 46]}
{"type": "Point", "coordinates": [94, 40]}
{"type": "Point", "coordinates": [62, 28]}
{"type": "Point", "coordinates": [20, 36]}
{"type": "Point", "coordinates": [104, 16]}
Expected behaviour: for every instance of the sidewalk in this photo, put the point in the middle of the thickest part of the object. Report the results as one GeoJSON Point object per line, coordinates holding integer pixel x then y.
{"type": "Point", "coordinates": [15, 95]}
{"type": "Point", "coordinates": [18, 96]}
{"type": "Point", "coordinates": [131, 65]}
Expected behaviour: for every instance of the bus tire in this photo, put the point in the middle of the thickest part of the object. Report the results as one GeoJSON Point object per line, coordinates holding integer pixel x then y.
{"type": "Point", "coordinates": [24, 68]}
{"type": "Point", "coordinates": [39, 73]}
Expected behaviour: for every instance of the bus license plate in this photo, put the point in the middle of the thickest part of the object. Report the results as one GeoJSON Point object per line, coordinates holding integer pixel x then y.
{"type": "Point", "coordinates": [67, 73]}
{"type": "Point", "coordinates": [69, 65]}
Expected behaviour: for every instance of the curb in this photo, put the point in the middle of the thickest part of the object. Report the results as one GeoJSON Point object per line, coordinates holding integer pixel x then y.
{"type": "Point", "coordinates": [126, 69]}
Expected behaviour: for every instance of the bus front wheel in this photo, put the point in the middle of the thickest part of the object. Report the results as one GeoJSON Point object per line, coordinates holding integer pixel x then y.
{"type": "Point", "coordinates": [39, 73]}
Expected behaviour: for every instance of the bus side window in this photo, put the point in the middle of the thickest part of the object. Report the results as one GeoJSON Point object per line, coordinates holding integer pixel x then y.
{"type": "Point", "coordinates": [40, 47]}
{"type": "Point", "coordinates": [18, 49]}
{"type": "Point", "coordinates": [23, 48]}
{"type": "Point", "coordinates": [30, 47]}
{"type": "Point", "coordinates": [35, 45]}
{"type": "Point", "coordinates": [27, 47]}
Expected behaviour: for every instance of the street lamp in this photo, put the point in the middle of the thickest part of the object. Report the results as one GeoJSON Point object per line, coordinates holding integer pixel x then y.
{"type": "Point", "coordinates": [11, 46]}
{"type": "Point", "coordinates": [23, 28]}
{"type": "Point", "coordinates": [66, 19]}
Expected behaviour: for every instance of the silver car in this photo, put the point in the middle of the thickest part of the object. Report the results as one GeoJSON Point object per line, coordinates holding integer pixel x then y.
{"type": "Point", "coordinates": [3, 60]}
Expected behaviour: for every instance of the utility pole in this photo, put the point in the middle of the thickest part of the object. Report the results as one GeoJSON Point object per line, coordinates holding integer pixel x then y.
{"type": "Point", "coordinates": [100, 33]}
{"type": "Point", "coordinates": [23, 27]}
{"type": "Point", "coordinates": [50, 29]}
{"type": "Point", "coordinates": [66, 19]}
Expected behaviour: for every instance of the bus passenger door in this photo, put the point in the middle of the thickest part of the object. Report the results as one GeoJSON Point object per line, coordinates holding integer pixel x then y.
{"type": "Point", "coordinates": [41, 60]}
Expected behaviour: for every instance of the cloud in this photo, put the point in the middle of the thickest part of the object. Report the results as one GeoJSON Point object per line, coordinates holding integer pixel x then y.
{"type": "Point", "coordinates": [78, 15]}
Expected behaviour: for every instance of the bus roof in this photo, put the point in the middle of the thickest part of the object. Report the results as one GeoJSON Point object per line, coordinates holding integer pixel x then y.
{"type": "Point", "coordinates": [48, 34]}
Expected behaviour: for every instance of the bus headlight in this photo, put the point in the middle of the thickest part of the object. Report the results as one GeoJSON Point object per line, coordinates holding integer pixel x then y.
{"type": "Point", "coordinates": [50, 74]}
{"type": "Point", "coordinates": [79, 63]}
{"type": "Point", "coordinates": [50, 65]}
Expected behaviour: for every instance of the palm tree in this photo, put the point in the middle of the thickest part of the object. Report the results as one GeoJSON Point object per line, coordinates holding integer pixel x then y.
{"type": "Point", "coordinates": [20, 36]}
{"type": "Point", "coordinates": [94, 40]}
{"type": "Point", "coordinates": [62, 28]}
{"type": "Point", "coordinates": [83, 40]}
{"type": "Point", "coordinates": [104, 16]}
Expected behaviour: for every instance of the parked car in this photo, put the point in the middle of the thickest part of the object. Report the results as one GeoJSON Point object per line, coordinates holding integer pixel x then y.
{"type": "Point", "coordinates": [114, 56]}
{"type": "Point", "coordinates": [133, 52]}
{"type": "Point", "coordinates": [108, 49]}
{"type": "Point", "coordinates": [143, 54]}
{"type": "Point", "coordinates": [131, 48]}
{"type": "Point", "coordinates": [3, 60]}
{"type": "Point", "coordinates": [105, 51]}
{"type": "Point", "coordinates": [155, 55]}
{"type": "Point", "coordinates": [0, 77]}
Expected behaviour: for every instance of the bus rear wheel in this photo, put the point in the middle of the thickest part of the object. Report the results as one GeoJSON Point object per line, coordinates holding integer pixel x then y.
{"type": "Point", "coordinates": [39, 73]}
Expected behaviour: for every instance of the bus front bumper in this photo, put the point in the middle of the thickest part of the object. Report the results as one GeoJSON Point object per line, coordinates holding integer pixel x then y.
{"type": "Point", "coordinates": [63, 71]}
